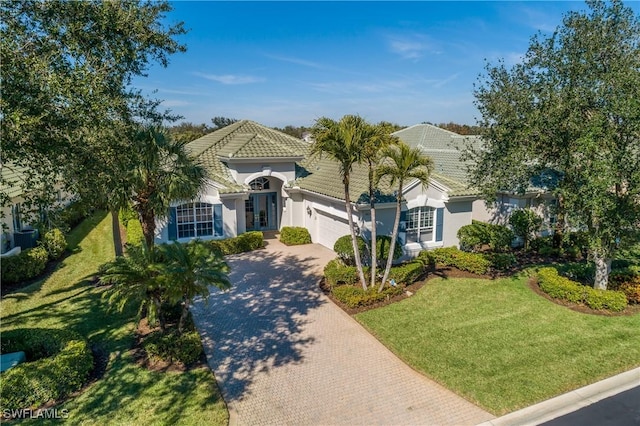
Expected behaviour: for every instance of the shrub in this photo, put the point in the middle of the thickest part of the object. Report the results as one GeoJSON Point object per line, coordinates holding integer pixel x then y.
{"type": "Point", "coordinates": [248, 241]}
{"type": "Point", "coordinates": [540, 243]}
{"type": "Point", "coordinates": [576, 244]}
{"type": "Point", "coordinates": [59, 362]}
{"type": "Point", "coordinates": [626, 280]}
{"type": "Point", "coordinates": [355, 297]}
{"type": "Point", "coordinates": [525, 224]}
{"type": "Point", "coordinates": [473, 237]}
{"type": "Point", "coordinates": [407, 273]}
{"type": "Point", "coordinates": [583, 272]}
{"type": "Point", "coordinates": [26, 265]}
{"type": "Point", "coordinates": [135, 236]}
{"type": "Point", "coordinates": [173, 347]}
{"type": "Point", "coordinates": [383, 244]}
{"type": "Point", "coordinates": [126, 214]}
{"type": "Point", "coordinates": [560, 287]}
{"type": "Point", "coordinates": [344, 248]}
{"type": "Point", "coordinates": [55, 243]}
{"type": "Point", "coordinates": [294, 235]}
{"type": "Point", "coordinates": [471, 262]}
{"type": "Point", "coordinates": [501, 261]}
{"type": "Point", "coordinates": [336, 272]}
{"type": "Point", "coordinates": [427, 258]}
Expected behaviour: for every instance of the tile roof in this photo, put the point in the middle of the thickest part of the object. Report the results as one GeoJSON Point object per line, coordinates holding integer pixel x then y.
{"type": "Point", "coordinates": [244, 139]}
{"type": "Point", "coordinates": [12, 180]}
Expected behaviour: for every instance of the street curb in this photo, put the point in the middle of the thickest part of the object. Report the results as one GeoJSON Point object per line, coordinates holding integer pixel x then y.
{"type": "Point", "coordinates": [569, 402]}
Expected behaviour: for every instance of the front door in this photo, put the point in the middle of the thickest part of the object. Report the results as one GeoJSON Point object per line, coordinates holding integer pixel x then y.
{"type": "Point", "coordinates": [261, 211]}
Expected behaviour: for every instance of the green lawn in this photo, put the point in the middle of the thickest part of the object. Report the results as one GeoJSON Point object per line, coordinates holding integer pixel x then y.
{"type": "Point", "coordinates": [127, 394]}
{"type": "Point", "coordinates": [500, 345]}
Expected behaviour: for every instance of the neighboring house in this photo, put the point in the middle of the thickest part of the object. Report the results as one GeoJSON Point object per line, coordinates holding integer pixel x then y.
{"type": "Point", "coordinates": [262, 179]}
{"type": "Point", "coordinates": [15, 231]}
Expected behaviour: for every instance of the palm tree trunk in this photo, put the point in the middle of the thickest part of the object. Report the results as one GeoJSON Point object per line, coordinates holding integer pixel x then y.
{"type": "Point", "coordinates": [394, 236]}
{"type": "Point", "coordinates": [183, 316]}
{"type": "Point", "coordinates": [148, 223]}
{"type": "Point", "coordinates": [115, 229]}
{"type": "Point", "coordinates": [374, 247]}
{"type": "Point", "coordinates": [354, 240]}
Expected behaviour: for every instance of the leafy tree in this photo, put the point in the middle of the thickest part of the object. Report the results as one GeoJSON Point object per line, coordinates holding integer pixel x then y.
{"type": "Point", "coordinates": [343, 142]}
{"type": "Point", "coordinates": [376, 138]}
{"type": "Point", "coordinates": [402, 164]}
{"type": "Point", "coordinates": [220, 122]}
{"type": "Point", "coordinates": [569, 116]}
{"type": "Point", "coordinates": [163, 172]}
{"type": "Point", "coordinates": [187, 132]}
{"type": "Point", "coordinates": [525, 224]}
{"type": "Point", "coordinates": [67, 69]}
{"type": "Point", "coordinates": [188, 270]}
{"type": "Point", "coordinates": [296, 132]}
{"type": "Point", "coordinates": [461, 129]}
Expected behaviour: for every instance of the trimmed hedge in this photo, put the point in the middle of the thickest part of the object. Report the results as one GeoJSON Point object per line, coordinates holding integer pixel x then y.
{"type": "Point", "coordinates": [501, 261]}
{"type": "Point", "coordinates": [336, 272]}
{"type": "Point", "coordinates": [383, 244]}
{"type": "Point", "coordinates": [173, 347]}
{"type": "Point", "coordinates": [407, 273]}
{"type": "Point", "coordinates": [28, 264]}
{"type": "Point", "coordinates": [54, 242]}
{"type": "Point", "coordinates": [473, 237]}
{"type": "Point", "coordinates": [294, 235]}
{"type": "Point", "coordinates": [354, 296]}
{"type": "Point", "coordinates": [470, 262]}
{"type": "Point", "coordinates": [344, 248]}
{"type": "Point", "coordinates": [563, 288]}
{"type": "Point", "coordinates": [59, 362]}
{"type": "Point", "coordinates": [248, 241]}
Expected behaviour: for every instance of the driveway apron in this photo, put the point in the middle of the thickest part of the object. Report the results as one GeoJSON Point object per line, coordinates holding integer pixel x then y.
{"type": "Point", "coordinates": [284, 354]}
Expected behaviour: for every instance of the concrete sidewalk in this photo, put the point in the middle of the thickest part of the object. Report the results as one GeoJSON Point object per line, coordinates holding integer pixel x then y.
{"type": "Point", "coordinates": [569, 402]}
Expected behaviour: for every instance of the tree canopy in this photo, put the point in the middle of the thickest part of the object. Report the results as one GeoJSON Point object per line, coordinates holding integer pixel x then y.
{"type": "Point", "coordinates": [567, 119]}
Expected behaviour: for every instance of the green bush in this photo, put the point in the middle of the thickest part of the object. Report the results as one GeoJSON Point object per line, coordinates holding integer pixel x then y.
{"type": "Point", "coordinates": [58, 363]}
{"type": "Point", "coordinates": [583, 272]}
{"type": "Point", "coordinates": [560, 287]}
{"type": "Point", "coordinates": [383, 245]}
{"type": "Point", "coordinates": [427, 258]}
{"type": "Point", "coordinates": [294, 235]}
{"type": "Point", "coordinates": [344, 248]}
{"type": "Point", "coordinates": [626, 280]}
{"type": "Point", "coordinates": [501, 261]}
{"type": "Point", "coordinates": [55, 243]}
{"type": "Point", "coordinates": [28, 264]}
{"type": "Point", "coordinates": [336, 272]}
{"type": "Point", "coordinates": [173, 347]}
{"type": "Point", "coordinates": [126, 214]}
{"type": "Point", "coordinates": [355, 297]}
{"type": "Point", "coordinates": [135, 237]}
{"type": "Point", "coordinates": [470, 262]}
{"type": "Point", "coordinates": [525, 223]}
{"type": "Point", "coordinates": [541, 243]}
{"type": "Point", "coordinates": [473, 237]}
{"type": "Point", "coordinates": [407, 273]}
{"type": "Point", "coordinates": [248, 241]}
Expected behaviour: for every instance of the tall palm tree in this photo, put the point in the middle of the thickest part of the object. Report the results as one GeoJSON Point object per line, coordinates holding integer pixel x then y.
{"type": "Point", "coordinates": [188, 270]}
{"type": "Point", "coordinates": [377, 138]}
{"type": "Point", "coordinates": [401, 164]}
{"type": "Point", "coordinates": [343, 141]}
{"type": "Point", "coordinates": [164, 172]}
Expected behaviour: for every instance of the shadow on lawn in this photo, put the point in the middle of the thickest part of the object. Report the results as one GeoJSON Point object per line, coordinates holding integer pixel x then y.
{"type": "Point", "coordinates": [258, 325]}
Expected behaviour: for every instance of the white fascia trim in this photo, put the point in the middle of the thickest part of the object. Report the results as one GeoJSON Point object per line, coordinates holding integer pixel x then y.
{"type": "Point", "coordinates": [433, 184]}
{"type": "Point", "coordinates": [204, 198]}
{"type": "Point", "coordinates": [266, 173]}
{"type": "Point", "coordinates": [423, 201]}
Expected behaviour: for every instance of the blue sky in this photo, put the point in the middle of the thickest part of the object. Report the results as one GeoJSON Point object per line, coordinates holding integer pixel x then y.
{"type": "Point", "coordinates": [281, 63]}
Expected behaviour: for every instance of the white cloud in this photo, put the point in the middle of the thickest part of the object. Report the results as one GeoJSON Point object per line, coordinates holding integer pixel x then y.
{"type": "Point", "coordinates": [297, 61]}
{"type": "Point", "coordinates": [412, 46]}
{"type": "Point", "coordinates": [230, 78]}
{"type": "Point", "coordinates": [174, 103]}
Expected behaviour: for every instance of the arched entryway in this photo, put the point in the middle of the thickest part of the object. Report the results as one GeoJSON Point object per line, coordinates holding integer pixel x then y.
{"type": "Point", "coordinates": [262, 211]}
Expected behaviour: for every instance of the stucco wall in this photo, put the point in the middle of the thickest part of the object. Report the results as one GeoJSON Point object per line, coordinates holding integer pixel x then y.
{"type": "Point", "coordinates": [456, 215]}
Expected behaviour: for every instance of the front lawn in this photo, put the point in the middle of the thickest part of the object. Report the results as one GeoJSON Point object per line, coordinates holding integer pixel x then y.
{"type": "Point", "coordinates": [126, 393]}
{"type": "Point", "coordinates": [499, 344]}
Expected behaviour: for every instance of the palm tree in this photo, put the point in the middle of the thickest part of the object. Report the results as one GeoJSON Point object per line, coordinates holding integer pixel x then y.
{"type": "Point", "coordinates": [188, 270]}
{"type": "Point", "coordinates": [164, 172]}
{"type": "Point", "coordinates": [136, 279]}
{"type": "Point", "coordinates": [401, 163]}
{"type": "Point", "coordinates": [343, 141]}
{"type": "Point", "coordinates": [377, 138]}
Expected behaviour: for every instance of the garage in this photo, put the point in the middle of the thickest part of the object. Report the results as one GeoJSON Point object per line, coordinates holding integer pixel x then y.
{"type": "Point", "coordinates": [329, 228]}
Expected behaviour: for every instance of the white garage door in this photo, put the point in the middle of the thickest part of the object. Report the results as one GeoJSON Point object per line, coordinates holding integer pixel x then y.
{"type": "Point", "coordinates": [330, 228]}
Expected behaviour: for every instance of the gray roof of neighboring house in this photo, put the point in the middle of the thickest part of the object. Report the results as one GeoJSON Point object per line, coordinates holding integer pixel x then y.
{"type": "Point", "coordinates": [12, 180]}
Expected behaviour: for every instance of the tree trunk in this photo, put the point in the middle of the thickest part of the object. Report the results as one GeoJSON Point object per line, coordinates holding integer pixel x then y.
{"type": "Point", "coordinates": [148, 223]}
{"type": "Point", "coordinates": [558, 233]}
{"type": "Point", "coordinates": [115, 229]}
{"type": "Point", "coordinates": [374, 246]}
{"type": "Point", "coordinates": [603, 268]}
{"type": "Point", "coordinates": [183, 316]}
{"type": "Point", "coordinates": [354, 240]}
{"type": "Point", "coordinates": [394, 236]}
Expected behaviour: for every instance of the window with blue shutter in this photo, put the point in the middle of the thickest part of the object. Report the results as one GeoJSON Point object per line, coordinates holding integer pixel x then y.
{"type": "Point", "coordinates": [195, 220]}
{"type": "Point", "coordinates": [172, 227]}
{"type": "Point", "coordinates": [439, 223]}
{"type": "Point", "coordinates": [217, 220]}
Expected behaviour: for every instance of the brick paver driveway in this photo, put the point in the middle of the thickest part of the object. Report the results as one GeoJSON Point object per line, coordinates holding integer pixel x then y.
{"type": "Point", "coordinates": [283, 353]}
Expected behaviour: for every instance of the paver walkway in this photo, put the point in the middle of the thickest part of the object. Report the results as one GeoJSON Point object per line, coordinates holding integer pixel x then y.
{"type": "Point", "coordinates": [283, 353]}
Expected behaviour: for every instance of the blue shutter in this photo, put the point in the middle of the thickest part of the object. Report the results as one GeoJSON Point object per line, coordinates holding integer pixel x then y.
{"type": "Point", "coordinates": [217, 220]}
{"type": "Point", "coordinates": [439, 223]}
{"type": "Point", "coordinates": [403, 215]}
{"type": "Point", "coordinates": [173, 224]}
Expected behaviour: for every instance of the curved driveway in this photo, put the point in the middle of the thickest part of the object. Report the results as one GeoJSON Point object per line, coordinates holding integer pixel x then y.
{"type": "Point", "coordinates": [283, 353]}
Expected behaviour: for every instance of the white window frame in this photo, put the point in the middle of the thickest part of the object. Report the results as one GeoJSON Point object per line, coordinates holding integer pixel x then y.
{"type": "Point", "coordinates": [189, 223]}
{"type": "Point", "coordinates": [425, 221]}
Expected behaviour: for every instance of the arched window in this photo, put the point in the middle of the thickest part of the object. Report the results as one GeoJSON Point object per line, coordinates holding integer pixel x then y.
{"type": "Point", "coordinates": [258, 184]}
{"type": "Point", "coordinates": [198, 220]}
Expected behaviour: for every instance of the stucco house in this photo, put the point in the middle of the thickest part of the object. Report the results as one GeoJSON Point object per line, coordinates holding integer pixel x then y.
{"type": "Point", "coordinates": [262, 179]}
{"type": "Point", "coordinates": [16, 233]}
